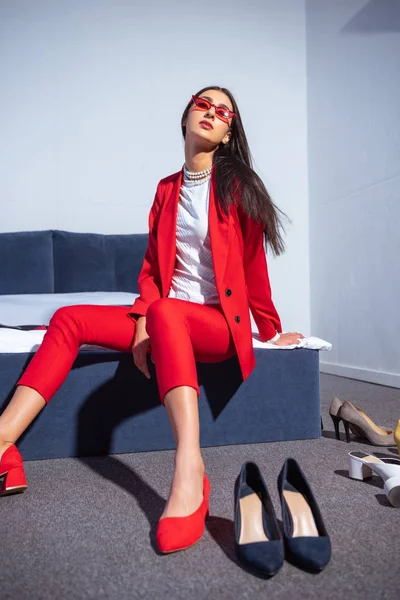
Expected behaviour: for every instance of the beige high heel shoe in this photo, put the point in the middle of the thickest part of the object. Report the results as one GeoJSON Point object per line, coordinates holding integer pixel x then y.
{"type": "Point", "coordinates": [360, 424]}
{"type": "Point", "coordinates": [334, 408]}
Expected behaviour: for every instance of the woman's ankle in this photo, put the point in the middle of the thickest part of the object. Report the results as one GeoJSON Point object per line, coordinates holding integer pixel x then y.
{"type": "Point", "coordinates": [4, 445]}
{"type": "Point", "coordinates": [189, 460]}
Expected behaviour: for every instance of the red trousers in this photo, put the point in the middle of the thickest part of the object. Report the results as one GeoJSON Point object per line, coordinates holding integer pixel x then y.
{"type": "Point", "coordinates": [181, 333]}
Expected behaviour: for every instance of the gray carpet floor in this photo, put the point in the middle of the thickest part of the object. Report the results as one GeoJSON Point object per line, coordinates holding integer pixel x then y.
{"type": "Point", "coordinates": [85, 528]}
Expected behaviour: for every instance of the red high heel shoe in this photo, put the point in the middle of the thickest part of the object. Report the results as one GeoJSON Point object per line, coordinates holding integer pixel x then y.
{"type": "Point", "coordinates": [179, 533]}
{"type": "Point", "coordinates": [12, 469]}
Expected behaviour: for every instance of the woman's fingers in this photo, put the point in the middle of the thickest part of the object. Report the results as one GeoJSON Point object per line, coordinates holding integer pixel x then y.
{"type": "Point", "coordinates": [140, 348]}
{"type": "Point", "coordinates": [288, 339]}
{"type": "Point", "coordinates": [139, 357]}
{"type": "Point", "coordinates": [296, 335]}
{"type": "Point", "coordinates": [141, 364]}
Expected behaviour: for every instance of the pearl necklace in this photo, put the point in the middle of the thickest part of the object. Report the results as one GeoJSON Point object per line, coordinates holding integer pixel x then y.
{"type": "Point", "coordinates": [191, 176]}
{"type": "Point", "coordinates": [191, 183]}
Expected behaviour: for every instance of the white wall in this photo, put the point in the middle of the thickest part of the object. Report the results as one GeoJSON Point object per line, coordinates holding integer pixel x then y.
{"type": "Point", "coordinates": [92, 93]}
{"type": "Point", "coordinates": [353, 70]}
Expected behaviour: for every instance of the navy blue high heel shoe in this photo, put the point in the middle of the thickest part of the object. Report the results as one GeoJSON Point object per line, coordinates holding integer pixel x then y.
{"type": "Point", "coordinates": [258, 540]}
{"type": "Point", "coordinates": [307, 543]}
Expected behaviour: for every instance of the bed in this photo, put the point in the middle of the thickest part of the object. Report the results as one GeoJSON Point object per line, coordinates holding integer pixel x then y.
{"type": "Point", "coordinates": [106, 406]}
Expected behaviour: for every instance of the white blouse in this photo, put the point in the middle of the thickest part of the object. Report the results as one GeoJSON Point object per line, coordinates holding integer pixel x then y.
{"type": "Point", "coordinates": [193, 277]}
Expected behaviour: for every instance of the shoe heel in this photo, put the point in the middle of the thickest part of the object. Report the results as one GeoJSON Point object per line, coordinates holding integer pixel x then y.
{"type": "Point", "coordinates": [14, 482]}
{"type": "Point", "coordinates": [336, 421]}
{"type": "Point", "coordinates": [392, 491]}
{"type": "Point", "coordinates": [347, 430]}
{"type": "Point", "coordinates": [357, 470]}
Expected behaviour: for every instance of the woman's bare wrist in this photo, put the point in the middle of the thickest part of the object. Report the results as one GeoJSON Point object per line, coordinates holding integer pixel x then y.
{"type": "Point", "coordinates": [141, 324]}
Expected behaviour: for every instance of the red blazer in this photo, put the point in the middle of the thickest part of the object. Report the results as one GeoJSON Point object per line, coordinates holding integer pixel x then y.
{"type": "Point", "coordinates": [240, 266]}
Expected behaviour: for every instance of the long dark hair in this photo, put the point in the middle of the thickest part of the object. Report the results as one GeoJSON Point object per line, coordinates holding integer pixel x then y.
{"type": "Point", "coordinates": [234, 172]}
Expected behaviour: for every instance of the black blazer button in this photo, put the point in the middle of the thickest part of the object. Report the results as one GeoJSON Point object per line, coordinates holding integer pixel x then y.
{"type": "Point", "coordinates": [237, 319]}
{"type": "Point", "coordinates": [228, 292]}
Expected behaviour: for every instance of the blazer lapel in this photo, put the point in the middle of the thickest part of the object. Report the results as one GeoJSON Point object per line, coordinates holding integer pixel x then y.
{"type": "Point", "coordinates": [218, 227]}
{"type": "Point", "coordinates": [166, 239]}
{"type": "Point", "coordinates": [219, 230]}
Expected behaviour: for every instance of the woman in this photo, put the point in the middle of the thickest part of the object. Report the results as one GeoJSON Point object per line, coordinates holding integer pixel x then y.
{"type": "Point", "coordinates": [204, 268]}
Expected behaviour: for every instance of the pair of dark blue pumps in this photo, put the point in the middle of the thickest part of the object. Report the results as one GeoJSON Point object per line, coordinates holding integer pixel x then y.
{"type": "Point", "coordinates": [260, 545]}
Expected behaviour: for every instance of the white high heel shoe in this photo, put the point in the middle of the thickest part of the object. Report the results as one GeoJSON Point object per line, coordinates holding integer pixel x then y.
{"type": "Point", "coordinates": [361, 466]}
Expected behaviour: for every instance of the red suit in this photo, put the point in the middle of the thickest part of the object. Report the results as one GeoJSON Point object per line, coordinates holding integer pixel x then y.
{"type": "Point", "coordinates": [181, 332]}
{"type": "Point", "coordinates": [240, 267]}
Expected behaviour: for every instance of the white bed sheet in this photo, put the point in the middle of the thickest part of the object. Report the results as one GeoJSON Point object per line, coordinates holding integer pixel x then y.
{"type": "Point", "coordinates": [14, 341]}
{"type": "Point", "coordinates": [37, 309]}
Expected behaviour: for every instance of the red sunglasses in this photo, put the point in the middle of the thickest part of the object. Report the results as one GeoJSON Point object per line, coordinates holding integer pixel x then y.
{"type": "Point", "coordinates": [221, 112]}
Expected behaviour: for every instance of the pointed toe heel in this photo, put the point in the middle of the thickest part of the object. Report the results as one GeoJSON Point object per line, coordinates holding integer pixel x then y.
{"type": "Point", "coordinates": [258, 541]}
{"type": "Point", "coordinates": [179, 533]}
{"type": "Point", "coordinates": [307, 543]}
{"type": "Point", "coordinates": [360, 424]}
{"type": "Point", "coordinates": [12, 470]}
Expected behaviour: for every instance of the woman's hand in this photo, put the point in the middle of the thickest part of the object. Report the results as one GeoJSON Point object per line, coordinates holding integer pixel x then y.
{"type": "Point", "coordinates": [288, 339]}
{"type": "Point", "coordinates": [141, 344]}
